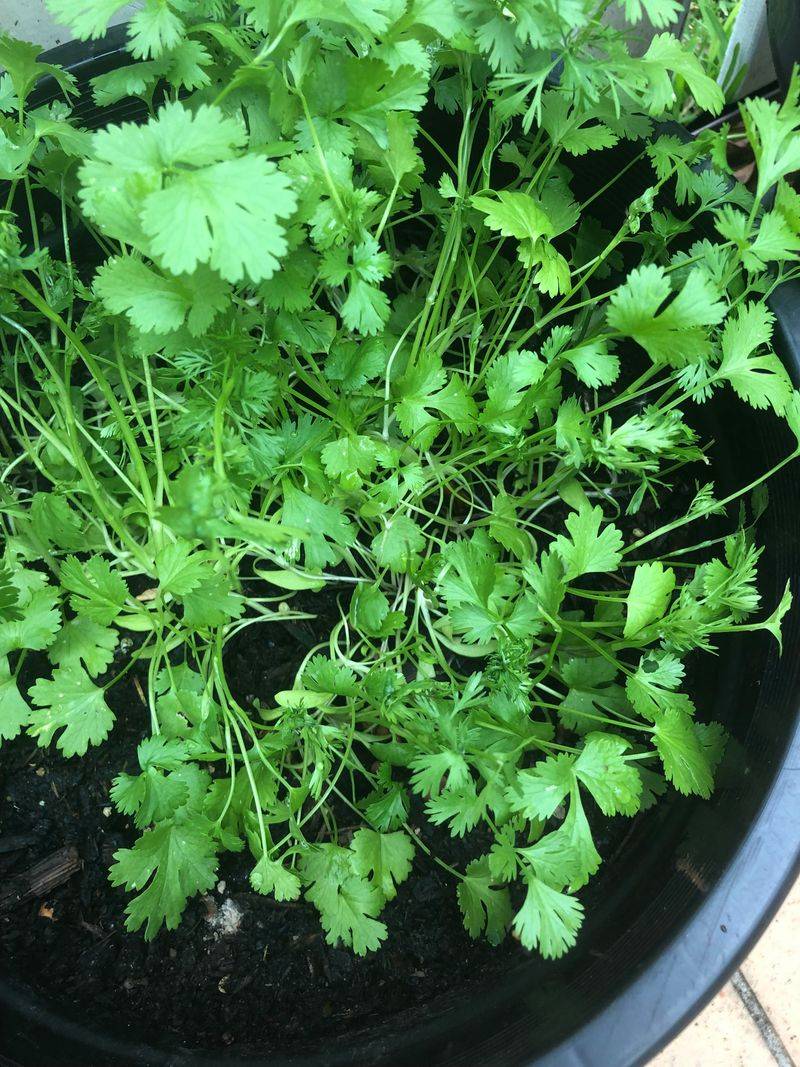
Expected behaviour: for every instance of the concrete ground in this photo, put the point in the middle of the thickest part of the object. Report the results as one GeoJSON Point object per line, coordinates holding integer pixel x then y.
{"type": "Point", "coordinates": [754, 1021]}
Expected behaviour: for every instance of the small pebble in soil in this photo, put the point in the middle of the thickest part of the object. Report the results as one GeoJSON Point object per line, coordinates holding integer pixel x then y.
{"type": "Point", "coordinates": [226, 920]}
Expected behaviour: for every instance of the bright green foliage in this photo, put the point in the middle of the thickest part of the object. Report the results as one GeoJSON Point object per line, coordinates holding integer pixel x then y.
{"type": "Point", "coordinates": [83, 641]}
{"type": "Point", "coordinates": [420, 397]}
{"type": "Point", "coordinates": [14, 712]}
{"type": "Point", "coordinates": [72, 704]}
{"type": "Point", "coordinates": [649, 596]}
{"type": "Point", "coordinates": [586, 550]}
{"type": "Point", "coordinates": [548, 919]}
{"type": "Point", "coordinates": [167, 865]}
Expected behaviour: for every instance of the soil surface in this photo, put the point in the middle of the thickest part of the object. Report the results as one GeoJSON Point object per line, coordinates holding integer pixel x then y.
{"type": "Point", "coordinates": [236, 955]}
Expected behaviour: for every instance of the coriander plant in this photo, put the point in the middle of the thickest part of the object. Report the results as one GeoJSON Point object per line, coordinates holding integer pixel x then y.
{"type": "Point", "coordinates": [329, 319]}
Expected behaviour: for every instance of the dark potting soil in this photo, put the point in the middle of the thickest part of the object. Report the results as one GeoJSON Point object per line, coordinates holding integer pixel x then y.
{"type": "Point", "coordinates": [210, 983]}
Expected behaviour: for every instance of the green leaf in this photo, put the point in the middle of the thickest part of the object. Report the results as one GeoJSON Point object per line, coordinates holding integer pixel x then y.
{"type": "Point", "coordinates": [346, 902]}
{"type": "Point", "coordinates": [593, 363]}
{"type": "Point", "coordinates": [539, 791]}
{"type": "Point", "coordinates": [507, 409]}
{"type": "Point", "coordinates": [504, 527]}
{"type": "Point", "coordinates": [83, 641]}
{"type": "Point", "coordinates": [20, 59]}
{"type": "Point", "coordinates": [382, 859]}
{"type": "Point", "coordinates": [515, 214]}
{"type": "Point", "coordinates": [429, 399]}
{"type": "Point", "coordinates": [180, 568]}
{"type": "Point", "coordinates": [484, 907]}
{"type": "Point", "coordinates": [666, 53]}
{"type": "Point", "coordinates": [38, 625]}
{"type": "Point", "coordinates": [659, 12]}
{"type": "Point", "coordinates": [398, 543]}
{"type": "Point", "coordinates": [602, 768]}
{"type": "Point", "coordinates": [760, 380]}
{"type": "Point", "coordinates": [166, 866]}
{"type": "Point", "coordinates": [548, 919]}
{"type": "Point", "coordinates": [435, 772]}
{"type": "Point", "coordinates": [369, 611]}
{"type": "Point", "coordinates": [325, 676]}
{"type": "Point", "coordinates": [772, 130]}
{"type": "Point", "coordinates": [54, 522]}
{"type": "Point", "coordinates": [14, 711]}
{"type": "Point", "coordinates": [685, 760]}
{"type": "Point", "coordinates": [9, 596]}
{"type": "Point", "coordinates": [71, 703]}
{"type": "Point", "coordinates": [462, 809]}
{"type": "Point", "coordinates": [225, 215]}
{"type": "Point", "coordinates": [773, 623]}
{"type": "Point", "coordinates": [86, 18]}
{"type": "Point", "coordinates": [351, 363]}
{"type": "Point", "coordinates": [153, 29]}
{"type": "Point", "coordinates": [157, 302]}
{"type": "Point", "coordinates": [211, 603]}
{"type": "Point", "coordinates": [649, 596]}
{"type": "Point", "coordinates": [586, 550]}
{"type": "Point", "coordinates": [350, 459]}
{"type": "Point", "coordinates": [325, 531]}
{"type": "Point", "coordinates": [271, 877]}
{"type": "Point", "coordinates": [175, 189]}
{"type": "Point", "coordinates": [98, 594]}
{"type": "Point", "coordinates": [678, 334]}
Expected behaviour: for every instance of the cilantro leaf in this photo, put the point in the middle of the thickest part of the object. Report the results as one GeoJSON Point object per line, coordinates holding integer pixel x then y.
{"type": "Point", "coordinates": [772, 129]}
{"type": "Point", "coordinates": [71, 703]}
{"type": "Point", "coordinates": [485, 908]}
{"type": "Point", "coordinates": [594, 364]}
{"type": "Point", "coordinates": [677, 334]}
{"type": "Point", "coordinates": [211, 603]}
{"type": "Point", "coordinates": [383, 859]}
{"type": "Point", "coordinates": [166, 866]}
{"type": "Point", "coordinates": [38, 625]}
{"type": "Point", "coordinates": [271, 877]}
{"type": "Point", "coordinates": [424, 389]}
{"type": "Point", "coordinates": [9, 597]}
{"type": "Point", "coordinates": [686, 762]}
{"type": "Point", "coordinates": [98, 594]}
{"type": "Point", "coordinates": [156, 302]}
{"type": "Point", "coordinates": [548, 920]}
{"type": "Point", "coordinates": [175, 189]}
{"type": "Point", "coordinates": [760, 380]}
{"type": "Point", "coordinates": [180, 568]}
{"type": "Point", "coordinates": [586, 550]}
{"type": "Point", "coordinates": [398, 543]}
{"type": "Point", "coordinates": [666, 53]}
{"type": "Point", "coordinates": [325, 532]}
{"type": "Point", "coordinates": [515, 214]}
{"type": "Point", "coordinates": [347, 902]}
{"type": "Point", "coordinates": [601, 767]}
{"type": "Point", "coordinates": [83, 641]}
{"type": "Point", "coordinates": [14, 711]}
{"type": "Point", "coordinates": [539, 791]}
{"type": "Point", "coordinates": [648, 597]}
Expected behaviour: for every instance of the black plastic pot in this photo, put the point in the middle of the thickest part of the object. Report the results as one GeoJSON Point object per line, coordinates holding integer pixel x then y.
{"type": "Point", "coordinates": [668, 916]}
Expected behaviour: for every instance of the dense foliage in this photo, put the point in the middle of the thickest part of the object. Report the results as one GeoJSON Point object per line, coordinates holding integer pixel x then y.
{"type": "Point", "coordinates": [333, 318]}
